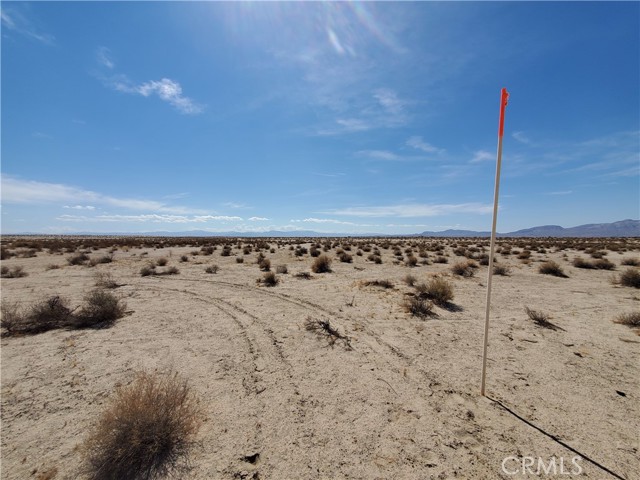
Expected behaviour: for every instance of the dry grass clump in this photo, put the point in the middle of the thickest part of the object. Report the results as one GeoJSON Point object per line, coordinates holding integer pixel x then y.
{"type": "Point", "coordinates": [378, 283]}
{"type": "Point", "coordinates": [464, 269]}
{"type": "Point", "coordinates": [631, 319]}
{"type": "Point", "coordinates": [410, 280]}
{"type": "Point", "coordinates": [323, 328]}
{"type": "Point", "coordinates": [418, 306]}
{"type": "Point", "coordinates": [105, 280]}
{"type": "Point", "coordinates": [103, 259]}
{"type": "Point", "coordinates": [211, 269]}
{"type": "Point", "coordinates": [629, 278]}
{"type": "Point", "coordinates": [269, 279]}
{"type": "Point", "coordinates": [78, 259]}
{"type": "Point", "coordinates": [15, 272]}
{"type": "Point", "coordinates": [100, 310]}
{"type": "Point", "coordinates": [345, 257]}
{"type": "Point", "coordinates": [282, 269]}
{"type": "Point", "coordinates": [411, 261]}
{"type": "Point", "coordinates": [440, 259]}
{"type": "Point", "coordinates": [43, 316]}
{"type": "Point", "coordinates": [632, 262]}
{"type": "Point", "coordinates": [321, 264]}
{"type": "Point", "coordinates": [162, 261]}
{"type": "Point", "coordinates": [599, 264]}
{"type": "Point", "coordinates": [147, 270]}
{"type": "Point", "coordinates": [552, 268]}
{"type": "Point", "coordinates": [265, 264]}
{"type": "Point", "coordinates": [304, 275]}
{"type": "Point", "coordinates": [439, 290]}
{"type": "Point", "coordinates": [540, 319]}
{"type": "Point", "coordinates": [501, 270]}
{"type": "Point", "coordinates": [145, 431]}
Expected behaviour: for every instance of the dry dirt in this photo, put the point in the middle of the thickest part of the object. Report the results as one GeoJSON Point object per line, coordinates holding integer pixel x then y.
{"type": "Point", "coordinates": [402, 403]}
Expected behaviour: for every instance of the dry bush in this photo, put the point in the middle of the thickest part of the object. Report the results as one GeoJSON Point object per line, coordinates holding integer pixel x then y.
{"type": "Point", "coordinates": [440, 259]}
{"type": "Point", "coordinates": [631, 319]}
{"type": "Point", "coordinates": [269, 279]}
{"type": "Point", "coordinates": [304, 275]}
{"type": "Point", "coordinates": [162, 261]}
{"type": "Point", "coordinates": [580, 262]}
{"type": "Point", "coordinates": [410, 280]}
{"type": "Point", "coordinates": [418, 306]}
{"type": "Point", "coordinates": [321, 264]}
{"type": "Point", "coordinates": [552, 268]}
{"type": "Point", "coordinates": [100, 310]}
{"type": "Point", "coordinates": [540, 319]}
{"type": "Point", "coordinates": [43, 316]}
{"type": "Point", "coordinates": [345, 257]}
{"type": "Point", "coordinates": [501, 270]}
{"type": "Point", "coordinates": [323, 328]}
{"type": "Point", "coordinates": [15, 272]}
{"type": "Point", "coordinates": [184, 258]}
{"type": "Point", "coordinates": [378, 283]}
{"type": "Point", "coordinates": [105, 280]}
{"type": "Point", "coordinates": [147, 270]}
{"type": "Point", "coordinates": [282, 269]}
{"type": "Point", "coordinates": [145, 431]}
{"type": "Point", "coordinates": [170, 271]}
{"type": "Point", "coordinates": [604, 264]}
{"type": "Point", "coordinates": [439, 290]}
{"type": "Point", "coordinates": [52, 266]}
{"type": "Point", "coordinates": [104, 259]}
{"type": "Point", "coordinates": [629, 278]}
{"type": "Point", "coordinates": [411, 261]}
{"type": "Point", "coordinates": [239, 260]}
{"type": "Point", "coordinates": [78, 259]}
{"type": "Point", "coordinates": [464, 269]}
{"type": "Point", "coordinates": [632, 262]}
{"type": "Point", "coordinates": [265, 265]}
{"type": "Point", "coordinates": [211, 269]}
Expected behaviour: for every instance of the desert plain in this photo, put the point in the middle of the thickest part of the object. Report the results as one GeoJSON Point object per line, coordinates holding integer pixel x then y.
{"type": "Point", "coordinates": [394, 394]}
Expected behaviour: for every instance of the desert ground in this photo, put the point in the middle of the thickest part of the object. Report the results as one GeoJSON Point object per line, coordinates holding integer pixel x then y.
{"type": "Point", "coordinates": [392, 395]}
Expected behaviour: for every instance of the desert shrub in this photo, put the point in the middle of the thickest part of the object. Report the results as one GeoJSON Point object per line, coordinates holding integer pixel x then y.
{"type": "Point", "coordinates": [52, 266]}
{"type": "Point", "coordinates": [345, 257]}
{"type": "Point", "coordinates": [226, 251]}
{"type": "Point", "coordinates": [321, 264]}
{"type": "Point", "coordinates": [540, 319]}
{"type": "Point", "coordinates": [170, 271]}
{"type": "Point", "coordinates": [630, 278]}
{"type": "Point", "coordinates": [580, 262]}
{"type": "Point", "coordinates": [103, 259]}
{"type": "Point", "coordinates": [378, 283]}
{"type": "Point", "coordinates": [105, 280]}
{"type": "Point", "coordinates": [604, 264]}
{"type": "Point", "coordinates": [631, 319]}
{"type": "Point", "coordinates": [440, 259]}
{"type": "Point", "coordinates": [41, 317]}
{"type": "Point", "coordinates": [282, 269]}
{"type": "Point", "coordinates": [162, 261]}
{"type": "Point", "coordinates": [314, 252]}
{"type": "Point", "coordinates": [265, 264]}
{"type": "Point", "coordinates": [184, 258]}
{"type": "Point", "coordinates": [439, 290]}
{"type": "Point", "coordinates": [270, 280]}
{"type": "Point", "coordinates": [15, 272]}
{"type": "Point", "coordinates": [464, 269]}
{"type": "Point", "coordinates": [147, 270]}
{"type": "Point", "coordinates": [418, 306]}
{"type": "Point", "coordinates": [411, 261]}
{"type": "Point", "coordinates": [101, 309]}
{"type": "Point", "coordinates": [323, 328]}
{"type": "Point", "coordinates": [552, 268]}
{"type": "Point", "coordinates": [303, 275]}
{"type": "Point", "coordinates": [211, 269]}
{"type": "Point", "coordinates": [145, 431]}
{"type": "Point", "coordinates": [207, 250]}
{"type": "Point", "coordinates": [633, 262]}
{"type": "Point", "coordinates": [501, 270]}
{"type": "Point", "coordinates": [78, 259]}
{"type": "Point", "coordinates": [410, 280]}
{"type": "Point", "coordinates": [239, 260]}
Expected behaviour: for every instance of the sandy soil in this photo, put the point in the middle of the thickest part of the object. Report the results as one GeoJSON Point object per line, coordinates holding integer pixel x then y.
{"type": "Point", "coordinates": [403, 403]}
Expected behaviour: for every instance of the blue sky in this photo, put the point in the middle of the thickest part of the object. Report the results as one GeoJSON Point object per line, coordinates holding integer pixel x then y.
{"type": "Point", "coordinates": [333, 117]}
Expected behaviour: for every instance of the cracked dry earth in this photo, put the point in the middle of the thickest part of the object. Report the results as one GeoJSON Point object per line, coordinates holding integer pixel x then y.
{"type": "Point", "coordinates": [281, 403]}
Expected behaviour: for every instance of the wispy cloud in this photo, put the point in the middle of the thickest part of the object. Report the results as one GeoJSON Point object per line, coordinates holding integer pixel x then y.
{"type": "Point", "coordinates": [258, 219]}
{"type": "Point", "coordinates": [561, 192]}
{"type": "Point", "coordinates": [520, 136]}
{"type": "Point", "coordinates": [166, 89]}
{"type": "Point", "coordinates": [412, 210]}
{"type": "Point", "coordinates": [379, 155]}
{"type": "Point", "coordinates": [15, 21]}
{"type": "Point", "coordinates": [236, 205]}
{"type": "Point", "coordinates": [44, 136]}
{"type": "Point", "coordinates": [80, 207]}
{"type": "Point", "coordinates": [419, 144]}
{"type": "Point", "coordinates": [481, 156]}
{"type": "Point", "coordinates": [30, 192]}
{"type": "Point", "coordinates": [104, 57]}
{"type": "Point", "coordinates": [331, 220]}
{"type": "Point", "coordinates": [149, 218]}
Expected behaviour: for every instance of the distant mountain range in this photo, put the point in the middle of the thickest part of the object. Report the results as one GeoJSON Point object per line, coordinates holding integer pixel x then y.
{"type": "Point", "coordinates": [623, 228]}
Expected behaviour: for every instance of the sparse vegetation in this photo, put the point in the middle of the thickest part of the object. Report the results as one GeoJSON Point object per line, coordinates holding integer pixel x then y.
{"type": "Point", "coordinates": [101, 309]}
{"type": "Point", "coordinates": [211, 269]}
{"type": "Point", "coordinates": [439, 290]}
{"type": "Point", "coordinates": [631, 319]}
{"type": "Point", "coordinates": [105, 280]}
{"type": "Point", "coordinates": [282, 269]}
{"type": "Point", "coordinates": [322, 264]}
{"type": "Point", "coordinates": [323, 328]}
{"type": "Point", "coordinates": [270, 280]}
{"type": "Point", "coordinates": [540, 319]}
{"type": "Point", "coordinates": [78, 259]}
{"type": "Point", "coordinates": [629, 278]}
{"type": "Point", "coordinates": [630, 261]}
{"type": "Point", "coordinates": [464, 269]}
{"type": "Point", "coordinates": [501, 270]}
{"type": "Point", "coordinates": [378, 283]}
{"type": "Point", "coordinates": [410, 280]}
{"type": "Point", "coordinates": [303, 275]}
{"type": "Point", "coordinates": [15, 272]}
{"type": "Point", "coordinates": [418, 306]}
{"type": "Point", "coordinates": [552, 268]}
{"type": "Point", "coordinates": [145, 431]}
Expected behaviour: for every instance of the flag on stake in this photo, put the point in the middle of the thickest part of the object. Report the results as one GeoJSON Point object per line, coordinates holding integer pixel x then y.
{"type": "Point", "coordinates": [504, 98]}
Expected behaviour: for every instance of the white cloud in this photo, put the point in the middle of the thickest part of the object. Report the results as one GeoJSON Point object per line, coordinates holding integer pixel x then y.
{"type": "Point", "coordinates": [419, 144]}
{"type": "Point", "coordinates": [481, 156]}
{"type": "Point", "coordinates": [103, 54]}
{"type": "Point", "coordinates": [15, 21]}
{"type": "Point", "coordinates": [563, 192]}
{"type": "Point", "coordinates": [389, 100]}
{"type": "Point", "coordinates": [520, 136]}
{"type": "Point", "coordinates": [32, 192]}
{"type": "Point", "coordinates": [413, 210]}
{"type": "Point", "coordinates": [258, 219]}
{"type": "Point", "coordinates": [166, 89]}
{"type": "Point", "coordinates": [80, 207]}
{"type": "Point", "coordinates": [379, 155]}
{"type": "Point", "coordinates": [149, 218]}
